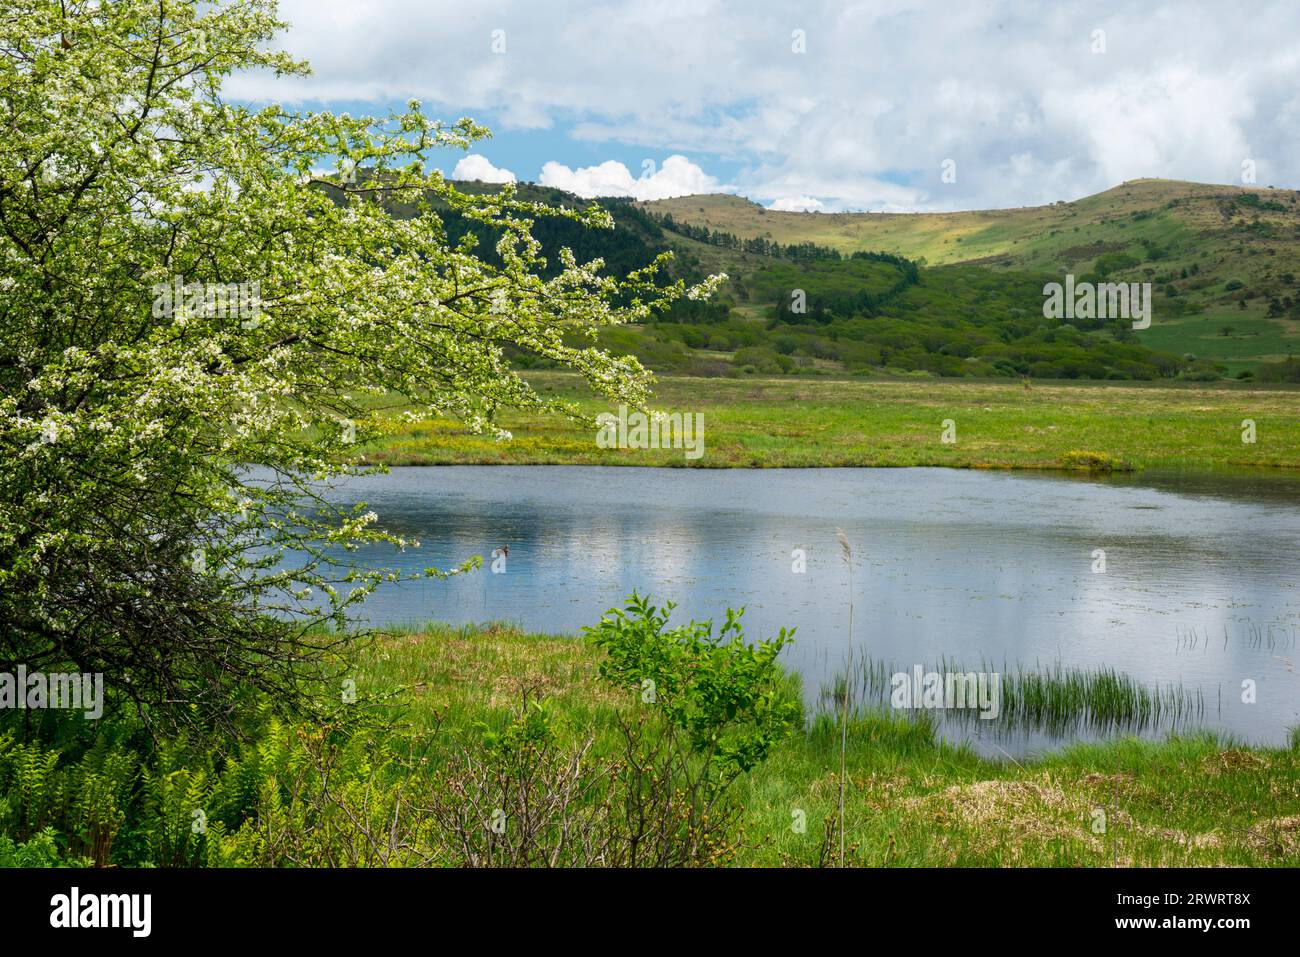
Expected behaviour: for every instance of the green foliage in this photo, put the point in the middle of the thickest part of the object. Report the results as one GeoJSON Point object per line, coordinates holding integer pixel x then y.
{"type": "Point", "coordinates": [135, 540]}
{"type": "Point", "coordinates": [1253, 201]}
{"type": "Point", "coordinates": [645, 786]}
{"type": "Point", "coordinates": [759, 359]}
{"type": "Point", "coordinates": [1114, 262]}
{"type": "Point", "coordinates": [726, 695]}
{"type": "Point", "coordinates": [1286, 371]}
{"type": "Point", "coordinates": [109, 807]}
{"type": "Point", "coordinates": [870, 313]}
{"type": "Point", "coordinates": [41, 850]}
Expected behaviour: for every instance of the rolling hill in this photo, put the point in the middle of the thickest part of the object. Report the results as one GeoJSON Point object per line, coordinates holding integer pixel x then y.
{"type": "Point", "coordinates": [955, 294]}
{"type": "Point", "coordinates": [1223, 259]}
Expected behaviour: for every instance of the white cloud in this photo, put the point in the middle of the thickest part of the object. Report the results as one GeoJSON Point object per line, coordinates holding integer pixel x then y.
{"type": "Point", "coordinates": [477, 167]}
{"type": "Point", "coordinates": [678, 176]}
{"type": "Point", "coordinates": [884, 94]}
{"type": "Point", "coordinates": [1168, 122]}
{"type": "Point", "coordinates": [798, 204]}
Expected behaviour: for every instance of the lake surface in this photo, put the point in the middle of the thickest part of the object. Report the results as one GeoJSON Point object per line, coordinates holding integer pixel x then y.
{"type": "Point", "coordinates": [1199, 589]}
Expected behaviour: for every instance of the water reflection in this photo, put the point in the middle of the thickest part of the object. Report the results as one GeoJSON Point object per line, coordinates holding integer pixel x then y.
{"type": "Point", "coordinates": [958, 565]}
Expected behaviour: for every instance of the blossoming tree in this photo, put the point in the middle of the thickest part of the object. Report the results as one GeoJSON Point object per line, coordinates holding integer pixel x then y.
{"type": "Point", "coordinates": [196, 324]}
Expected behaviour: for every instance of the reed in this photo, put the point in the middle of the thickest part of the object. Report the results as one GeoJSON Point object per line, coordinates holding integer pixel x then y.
{"type": "Point", "coordinates": [1056, 700]}
{"type": "Point", "coordinates": [1273, 637]}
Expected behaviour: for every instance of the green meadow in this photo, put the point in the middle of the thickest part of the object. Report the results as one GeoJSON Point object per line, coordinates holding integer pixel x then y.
{"type": "Point", "coordinates": [800, 422]}
{"type": "Point", "coordinates": [1235, 339]}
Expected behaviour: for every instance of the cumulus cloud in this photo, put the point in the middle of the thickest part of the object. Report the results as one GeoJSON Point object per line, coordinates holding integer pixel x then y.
{"type": "Point", "coordinates": [866, 116]}
{"type": "Point", "coordinates": [797, 204]}
{"type": "Point", "coordinates": [678, 176]}
{"type": "Point", "coordinates": [478, 167]}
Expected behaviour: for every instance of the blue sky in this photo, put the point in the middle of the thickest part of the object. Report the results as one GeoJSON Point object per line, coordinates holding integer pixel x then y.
{"type": "Point", "coordinates": [830, 105]}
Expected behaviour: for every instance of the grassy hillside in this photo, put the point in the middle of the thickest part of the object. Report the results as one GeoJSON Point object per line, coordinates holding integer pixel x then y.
{"type": "Point", "coordinates": [954, 294]}
{"type": "Point", "coordinates": [1223, 259]}
{"type": "Point", "coordinates": [1026, 237]}
{"type": "Point", "coordinates": [806, 310]}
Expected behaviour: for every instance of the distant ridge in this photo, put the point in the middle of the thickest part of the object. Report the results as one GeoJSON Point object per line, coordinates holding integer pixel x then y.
{"type": "Point", "coordinates": [978, 234]}
{"type": "Point", "coordinates": [1222, 261]}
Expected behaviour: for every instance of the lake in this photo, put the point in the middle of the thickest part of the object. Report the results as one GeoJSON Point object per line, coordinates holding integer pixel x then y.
{"type": "Point", "coordinates": [989, 570]}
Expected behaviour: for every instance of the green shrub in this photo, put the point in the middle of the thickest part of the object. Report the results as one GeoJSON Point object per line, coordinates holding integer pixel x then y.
{"type": "Point", "coordinates": [762, 360]}
{"type": "Point", "coordinates": [729, 697]}
{"type": "Point", "coordinates": [1287, 371]}
{"type": "Point", "coordinates": [41, 850]}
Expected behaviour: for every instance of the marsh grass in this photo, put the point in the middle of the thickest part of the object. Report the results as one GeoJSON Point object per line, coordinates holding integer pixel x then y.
{"type": "Point", "coordinates": [911, 799]}
{"type": "Point", "coordinates": [1055, 700]}
{"type": "Point", "coordinates": [1255, 637]}
{"type": "Point", "coordinates": [1102, 698]}
{"type": "Point", "coordinates": [822, 422]}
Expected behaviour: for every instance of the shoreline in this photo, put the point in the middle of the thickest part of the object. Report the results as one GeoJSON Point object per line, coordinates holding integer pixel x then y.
{"type": "Point", "coordinates": [929, 801]}
{"type": "Point", "coordinates": [1245, 470]}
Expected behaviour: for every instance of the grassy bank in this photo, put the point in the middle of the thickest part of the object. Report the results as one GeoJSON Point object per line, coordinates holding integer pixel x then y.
{"type": "Point", "coordinates": [440, 727]}
{"type": "Point", "coordinates": [910, 800]}
{"type": "Point", "coordinates": [757, 423]}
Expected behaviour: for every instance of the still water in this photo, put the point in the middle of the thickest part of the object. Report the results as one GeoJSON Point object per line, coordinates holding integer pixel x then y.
{"type": "Point", "coordinates": [1199, 589]}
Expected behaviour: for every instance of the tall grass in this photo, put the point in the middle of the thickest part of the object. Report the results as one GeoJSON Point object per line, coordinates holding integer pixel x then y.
{"type": "Point", "coordinates": [1056, 700]}
{"type": "Point", "coordinates": [1101, 698]}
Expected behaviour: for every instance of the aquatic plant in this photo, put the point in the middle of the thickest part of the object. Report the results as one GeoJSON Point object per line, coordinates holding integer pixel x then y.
{"type": "Point", "coordinates": [1057, 700]}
